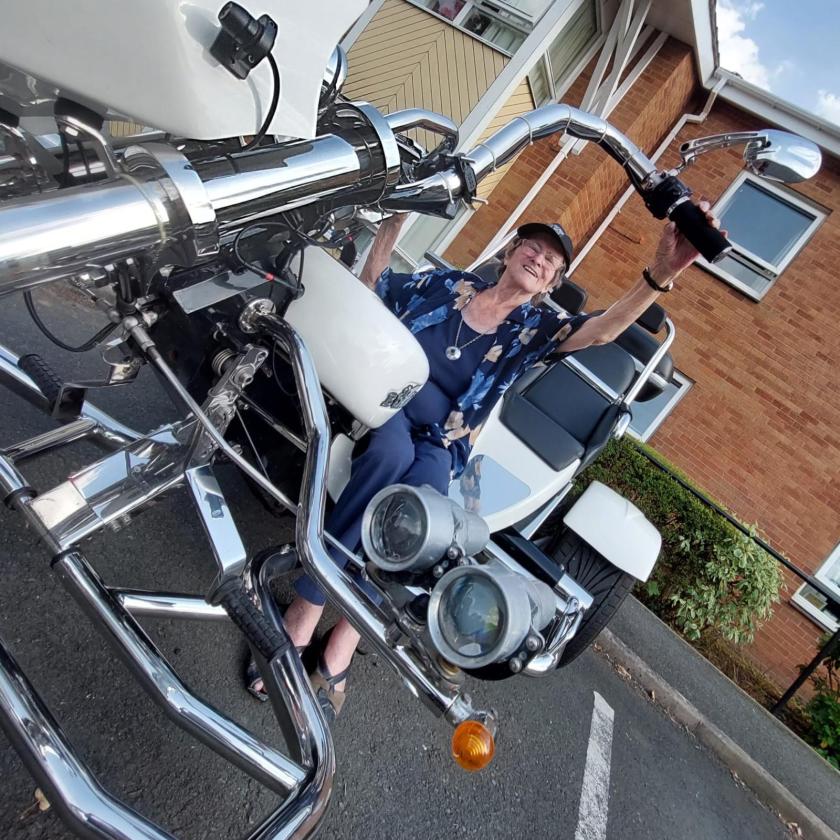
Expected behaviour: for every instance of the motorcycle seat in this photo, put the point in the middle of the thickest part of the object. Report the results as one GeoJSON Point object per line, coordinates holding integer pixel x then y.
{"type": "Point", "coordinates": [559, 416]}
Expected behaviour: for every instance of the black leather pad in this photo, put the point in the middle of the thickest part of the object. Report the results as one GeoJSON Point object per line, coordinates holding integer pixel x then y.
{"type": "Point", "coordinates": [540, 432]}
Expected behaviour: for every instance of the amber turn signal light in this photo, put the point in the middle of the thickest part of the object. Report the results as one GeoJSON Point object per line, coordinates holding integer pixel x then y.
{"type": "Point", "coordinates": [472, 745]}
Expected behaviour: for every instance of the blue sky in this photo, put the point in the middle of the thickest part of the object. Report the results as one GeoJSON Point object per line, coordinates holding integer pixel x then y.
{"type": "Point", "coordinates": [789, 47]}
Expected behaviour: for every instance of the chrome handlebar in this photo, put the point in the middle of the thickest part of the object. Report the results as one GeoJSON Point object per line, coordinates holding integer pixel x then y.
{"type": "Point", "coordinates": [165, 210]}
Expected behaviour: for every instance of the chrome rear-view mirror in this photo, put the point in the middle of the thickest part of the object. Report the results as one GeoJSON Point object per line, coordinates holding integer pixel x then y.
{"type": "Point", "coordinates": [769, 153]}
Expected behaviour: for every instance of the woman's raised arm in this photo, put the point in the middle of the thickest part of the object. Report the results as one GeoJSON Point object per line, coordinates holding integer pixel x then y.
{"type": "Point", "coordinates": [381, 250]}
{"type": "Point", "coordinates": [674, 254]}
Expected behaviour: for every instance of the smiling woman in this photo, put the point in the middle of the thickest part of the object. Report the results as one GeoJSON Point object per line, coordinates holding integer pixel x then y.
{"type": "Point", "coordinates": [479, 336]}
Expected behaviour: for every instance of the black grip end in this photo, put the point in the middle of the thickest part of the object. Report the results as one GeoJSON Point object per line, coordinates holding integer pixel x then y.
{"type": "Point", "coordinates": [269, 640]}
{"type": "Point", "coordinates": [692, 223]}
{"type": "Point", "coordinates": [42, 375]}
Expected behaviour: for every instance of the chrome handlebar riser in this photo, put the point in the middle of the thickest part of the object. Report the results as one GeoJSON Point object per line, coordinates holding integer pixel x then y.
{"type": "Point", "coordinates": [500, 147]}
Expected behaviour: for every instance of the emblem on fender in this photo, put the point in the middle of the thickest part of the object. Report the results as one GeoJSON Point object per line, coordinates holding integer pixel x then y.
{"type": "Point", "coordinates": [398, 399]}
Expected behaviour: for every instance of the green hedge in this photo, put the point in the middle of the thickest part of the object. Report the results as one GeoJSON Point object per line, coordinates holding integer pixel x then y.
{"type": "Point", "coordinates": [711, 577]}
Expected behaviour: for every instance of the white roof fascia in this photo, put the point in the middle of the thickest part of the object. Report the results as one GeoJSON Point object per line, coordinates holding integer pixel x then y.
{"type": "Point", "coordinates": [705, 37]}
{"type": "Point", "coordinates": [777, 111]}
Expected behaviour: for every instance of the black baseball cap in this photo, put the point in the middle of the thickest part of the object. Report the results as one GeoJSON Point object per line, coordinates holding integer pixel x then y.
{"type": "Point", "coordinates": [555, 231]}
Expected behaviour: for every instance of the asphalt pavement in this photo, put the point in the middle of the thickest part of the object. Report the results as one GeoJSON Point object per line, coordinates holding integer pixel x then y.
{"type": "Point", "coordinates": [395, 777]}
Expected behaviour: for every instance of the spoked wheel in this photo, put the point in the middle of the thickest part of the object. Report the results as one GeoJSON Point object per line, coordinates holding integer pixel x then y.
{"type": "Point", "coordinates": [608, 585]}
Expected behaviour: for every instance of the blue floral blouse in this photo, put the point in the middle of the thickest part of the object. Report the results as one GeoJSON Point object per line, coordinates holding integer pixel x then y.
{"type": "Point", "coordinates": [526, 337]}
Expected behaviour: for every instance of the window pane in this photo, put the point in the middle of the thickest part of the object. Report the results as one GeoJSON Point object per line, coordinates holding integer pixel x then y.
{"type": "Point", "coordinates": [831, 573]}
{"type": "Point", "coordinates": [538, 79]}
{"type": "Point", "coordinates": [818, 600]}
{"type": "Point", "coordinates": [445, 8]}
{"type": "Point", "coordinates": [493, 29]}
{"type": "Point", "coordinates": [570, 44]}
{"type": "Point", "coordinates": [649, 415]}
{"type": "Point", "coordinates": [763, 223]}
{"type": "Point", "coordinates": [741, 271]}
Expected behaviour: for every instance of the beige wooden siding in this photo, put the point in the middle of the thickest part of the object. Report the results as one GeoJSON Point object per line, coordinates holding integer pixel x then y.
{"type": "Point", "coordinates": [520, 102]}
{"type": "Point", "coordinates": [407, 58]}
{"type": "Point", "coordinates": [123, 128]}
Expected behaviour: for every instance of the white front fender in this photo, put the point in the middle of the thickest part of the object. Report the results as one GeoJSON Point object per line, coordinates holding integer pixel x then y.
{"type": "Point", "coordinates": [616, 529]}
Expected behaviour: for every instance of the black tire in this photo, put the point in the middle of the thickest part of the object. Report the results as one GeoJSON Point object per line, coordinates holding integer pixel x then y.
{"type": "Point", "coordinates": [608, 585]}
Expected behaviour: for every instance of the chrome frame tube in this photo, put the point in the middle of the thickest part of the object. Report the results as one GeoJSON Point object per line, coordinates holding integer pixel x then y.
{"type": "Point", "coordinates": [141, 602]}
{"type": "Point", "coordinates": [409, 118]}
{"type": "Point", "coordinates": [650, 367]}
{"type": "Point", "coordinates": [60, 436]}
{"type": "Point", "coordinates": [71, 789]}
{"type": "Point", "coordinates": [155, 675]}
{"type": "Point", "coordinates": [341, 589]}
{"type": "Point", "coordinates": [500, 147]}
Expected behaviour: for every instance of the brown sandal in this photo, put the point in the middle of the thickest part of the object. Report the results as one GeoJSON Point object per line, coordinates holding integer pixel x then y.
{"type": "Point", "coordinates": [329, 697]}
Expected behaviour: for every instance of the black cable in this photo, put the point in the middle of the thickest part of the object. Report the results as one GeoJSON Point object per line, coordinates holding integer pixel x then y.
{"type": "Point", "coordinates": [267, 275]}
{"type": "Point", "coordinates": [81, 149]}
{"type": "Point", "coordinates": [275, 98]}
{"type": "Point", "coordinates": [82, 348]}
{"type": "Point", "coordinates": [65, 152]}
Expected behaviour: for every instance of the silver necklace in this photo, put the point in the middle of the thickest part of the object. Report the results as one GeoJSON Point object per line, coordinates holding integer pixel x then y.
{"type": "Point", "coordinates": [453, 352]}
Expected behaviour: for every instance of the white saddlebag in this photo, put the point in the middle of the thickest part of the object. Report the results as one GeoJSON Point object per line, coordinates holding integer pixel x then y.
{"type": "Point", "coordinates": [366, 359]}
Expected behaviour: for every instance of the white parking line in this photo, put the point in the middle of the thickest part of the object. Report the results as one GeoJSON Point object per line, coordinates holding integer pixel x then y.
{"type": "Point", "coordinates": [595, 795]}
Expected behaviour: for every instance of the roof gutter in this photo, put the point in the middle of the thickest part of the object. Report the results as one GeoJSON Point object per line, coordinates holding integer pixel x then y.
{"type": "Point", "coordinates": [763, 104]}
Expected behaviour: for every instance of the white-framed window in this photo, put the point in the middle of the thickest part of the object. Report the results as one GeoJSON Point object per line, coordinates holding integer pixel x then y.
{"type": "Point", "coordinates": [648, 416]}
{"type": "Point", "coordinates": [814, 604]}
{"type": "Point", "coordinates": [551, 76]}
{"type": "Point", "coordinates": [503, 23]}
{"type": "Point", "coordinates": [768, 226]}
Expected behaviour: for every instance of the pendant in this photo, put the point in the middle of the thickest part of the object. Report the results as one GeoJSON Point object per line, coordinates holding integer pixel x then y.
{"type": "Point", "coordinates": [453, 353]}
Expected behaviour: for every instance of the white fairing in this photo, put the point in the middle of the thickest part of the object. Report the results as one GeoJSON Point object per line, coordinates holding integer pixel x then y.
{"type": "Point", "coordinates": [511, 481]}
{"type": "Point", "coordinates": [364, 355]}
{"type": "Point", "coordinates": [150, 60]}
{"type": "Point", "coordinates": [616, 529]}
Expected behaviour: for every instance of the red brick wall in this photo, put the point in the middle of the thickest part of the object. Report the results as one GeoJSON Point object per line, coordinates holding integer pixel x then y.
{"type": "Point", "coordinates": [582, 189]}
{"type": "Point", "coordinates": [759, 429]}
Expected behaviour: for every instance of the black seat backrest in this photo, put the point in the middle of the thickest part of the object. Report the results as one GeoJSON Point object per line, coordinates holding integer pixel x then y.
{"type": "Point", "coordinates": [561, 417]}
{"type": "Point", "coordinates": [570, 296]}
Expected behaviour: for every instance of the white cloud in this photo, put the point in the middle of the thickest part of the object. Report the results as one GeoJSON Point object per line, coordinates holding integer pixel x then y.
{"type": "Point", "coordinates": [738, 53]}
{"type": "Point", "coordinates": [828, 106]}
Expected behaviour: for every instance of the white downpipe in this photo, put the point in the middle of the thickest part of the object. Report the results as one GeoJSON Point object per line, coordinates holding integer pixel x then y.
{"type": "Point", "coordinates": [663, 146]}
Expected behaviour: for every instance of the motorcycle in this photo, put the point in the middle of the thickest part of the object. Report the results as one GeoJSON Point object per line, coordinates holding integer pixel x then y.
{"type": "Point", "coordinates": [217, 262]}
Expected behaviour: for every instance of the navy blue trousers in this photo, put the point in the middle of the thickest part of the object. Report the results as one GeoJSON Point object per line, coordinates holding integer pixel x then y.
{"type": "Point", "coordinates": [393, 456]}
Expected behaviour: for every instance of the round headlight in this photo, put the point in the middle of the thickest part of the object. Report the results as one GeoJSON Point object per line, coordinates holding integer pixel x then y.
{"type": "Point", "coordinates": [398, 528]}
{"type": "Point", "coordinates": [408, 528]}
{"type": "Point", "coordinates": [472, 616]}
{"type": "Point", "coordinates": [479, 615]}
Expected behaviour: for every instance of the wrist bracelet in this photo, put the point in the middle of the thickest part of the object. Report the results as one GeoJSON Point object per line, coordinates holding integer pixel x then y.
{"type": "Point", "coordinates": [653, 284]}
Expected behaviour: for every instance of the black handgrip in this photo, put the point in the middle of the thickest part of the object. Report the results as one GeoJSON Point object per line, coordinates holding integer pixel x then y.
{"type": "Point", "coordinates": [42, 375]}
{"type": "Point", "coordinates": [692, 223]}
{"type": "Point", "coordinates": [268, 640]}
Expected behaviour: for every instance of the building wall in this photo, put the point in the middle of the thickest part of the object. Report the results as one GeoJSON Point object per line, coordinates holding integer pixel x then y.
{"type": "Point", "coordinates": [407, 57]}
{"type": "Point", "coordinates": [759, 428]}
{"type": "Point", "coordinates": [582, 189]}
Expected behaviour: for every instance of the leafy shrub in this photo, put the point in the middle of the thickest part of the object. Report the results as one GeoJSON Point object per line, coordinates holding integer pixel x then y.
{"type": "Point", "coordinates": [824, 708]}
{"type": "Point", "coordinates": [711, 577]}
